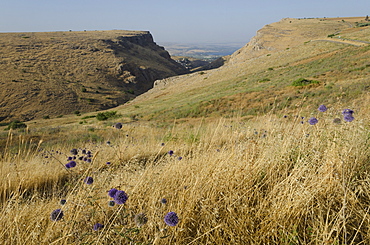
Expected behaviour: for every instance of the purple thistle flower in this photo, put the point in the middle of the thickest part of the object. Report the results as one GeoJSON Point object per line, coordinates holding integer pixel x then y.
{"type": "Point", "coordinates": [112, 192]}
{"type": "Point", "coordinates": [98, 226]}
{"type": "Point", "coordinates": [347, 112]}
{"type": "Point", "coordinates": [56, 215]}
{"type": "Point", "coordinates": [81, 158]}
{"type": "Point", "coordinates": [74, 151]}
{"type": "Point", "coordinates": [313, 121]}
{"type": "Point", "coordinates": [322, 108]}
{"type": "Point", "coordinates": [162, 144]}
{"type": "Point", "coordinates": [163, 200]}
{"type": "Point", "coordinates": [171, 219]}
{"type": "Point", "coordinates": [348, 118]}
{"type": "Point", "coordinates": [179, 158]}
{"type": "Point", "coordinates": [108, 163]}
{"type": "Point", "coordinates": [170, 152]}
{"type": "Point", "coordinates": [89, 180]}
{"type": "Point", "coordinates": [69, 158]}
{"type": "Point", "coordinates": [118, 125]}
{"type": "Point", "coordinates": [68, 165]}
{"type": "Point", "coordinates": [120, 197]}
{"type": "Point", "coordinates": [63, 201]}
{"type": "Point", "coordinates": [72, 164]}
{"type": "Point", "coordinates": [84, 151]}
{"type": "Point", "coordinates": [88, 160]}
{"type": "Point", "coordinates": [285, 116]}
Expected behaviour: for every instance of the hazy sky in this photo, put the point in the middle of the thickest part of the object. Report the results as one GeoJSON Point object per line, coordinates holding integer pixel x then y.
{"type": "Point", "coordinates": [182, 21]}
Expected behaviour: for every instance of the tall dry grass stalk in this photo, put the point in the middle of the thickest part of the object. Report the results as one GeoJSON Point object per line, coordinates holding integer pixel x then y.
{"type": "Point", "coordinates": [267, 181]}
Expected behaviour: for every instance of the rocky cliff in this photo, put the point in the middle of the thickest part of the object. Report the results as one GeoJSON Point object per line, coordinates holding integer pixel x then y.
{"type": "Point", "coordinates": [56, 73]}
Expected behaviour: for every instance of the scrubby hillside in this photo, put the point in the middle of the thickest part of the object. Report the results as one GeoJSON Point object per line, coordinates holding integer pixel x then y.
{"type": "Point", "coordinates": [85, 71]}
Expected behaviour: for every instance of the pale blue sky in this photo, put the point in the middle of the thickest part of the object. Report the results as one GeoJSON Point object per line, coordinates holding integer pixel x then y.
{"type": "Point", "coordinates": [186, 21]}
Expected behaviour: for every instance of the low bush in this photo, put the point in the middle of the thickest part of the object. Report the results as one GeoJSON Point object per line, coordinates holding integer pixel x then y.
{"type": "Point", "coordinates": [16, 124]}
{"type": "Point", "coordinates": [304, 82]}
{"type": "Point", "coordinates": [102, 116]}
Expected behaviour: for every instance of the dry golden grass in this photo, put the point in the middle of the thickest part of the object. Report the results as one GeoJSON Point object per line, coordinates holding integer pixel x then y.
{"type": "Point", "coordinates": [265, 181]}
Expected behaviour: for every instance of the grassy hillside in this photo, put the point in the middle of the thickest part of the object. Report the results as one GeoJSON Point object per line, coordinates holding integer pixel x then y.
{"type": "Point", "coordinates": [231, 151]}
{"type": "Point", "coordinates": [252, 86]}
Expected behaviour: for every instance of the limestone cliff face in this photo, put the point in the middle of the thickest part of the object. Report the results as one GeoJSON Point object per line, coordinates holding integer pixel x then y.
{"type": "Point", "coordinates": [142, 61]}
{"type": "Point", "coordinates": [57, 73]}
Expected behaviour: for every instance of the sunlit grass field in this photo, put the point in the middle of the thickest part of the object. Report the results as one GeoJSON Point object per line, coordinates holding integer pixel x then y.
{"type": "Point", "coordinates": [269, 180]}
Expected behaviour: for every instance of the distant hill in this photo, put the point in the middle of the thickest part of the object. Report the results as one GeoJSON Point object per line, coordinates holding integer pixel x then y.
{"type": "Point", "coordinates": [202, 50]}
{"type": "Point", "coordinates": [56, 73]}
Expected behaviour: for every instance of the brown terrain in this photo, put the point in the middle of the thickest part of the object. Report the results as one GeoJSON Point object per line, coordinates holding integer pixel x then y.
{"type": "Point", "coordinates": [58, 73]}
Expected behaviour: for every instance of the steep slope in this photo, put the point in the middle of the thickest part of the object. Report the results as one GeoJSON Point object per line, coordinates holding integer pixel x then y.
{"type": "Point", "coordinates": [56, 73]}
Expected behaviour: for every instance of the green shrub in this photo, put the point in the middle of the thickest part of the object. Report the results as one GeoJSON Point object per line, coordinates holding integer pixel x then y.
{"type": "Point", "coordinates": [87, 117]}
{"type": "Point", "coordinates": [363, 24]}
{"type": "Point", "coordinates": [102, 116]}
{"type": "Point", "coordinates": [264, 80]}
{"type": "Point", "coordinates": [16, 124]}
{"type": "Point", "coordinates": [304, 82]}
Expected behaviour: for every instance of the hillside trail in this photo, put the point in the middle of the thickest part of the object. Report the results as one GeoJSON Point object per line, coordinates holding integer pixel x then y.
{"type": "Point", "coordinates": [357, 43]}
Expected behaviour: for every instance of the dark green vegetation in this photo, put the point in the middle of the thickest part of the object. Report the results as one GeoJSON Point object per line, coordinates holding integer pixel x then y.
{"type": "Point", "coordinates": [102, 116]}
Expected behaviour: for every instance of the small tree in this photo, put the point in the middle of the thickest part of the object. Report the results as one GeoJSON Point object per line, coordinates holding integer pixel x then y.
{"type": "Point", "coordinates": [367, 18]}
